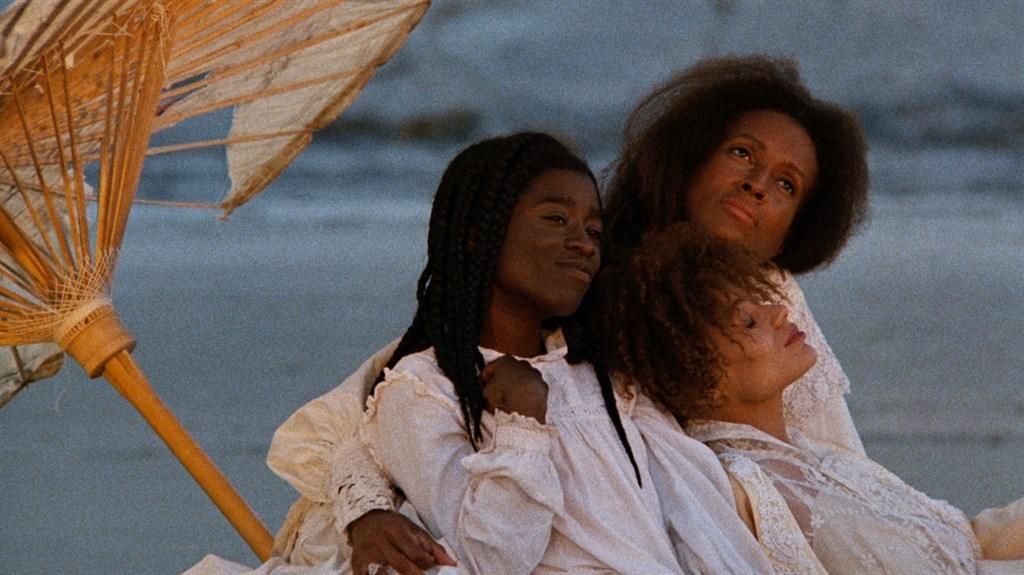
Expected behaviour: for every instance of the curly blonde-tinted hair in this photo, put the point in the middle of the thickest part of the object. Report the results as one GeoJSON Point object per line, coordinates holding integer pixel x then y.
{"type": "Point", "coordinates": [657, 308]}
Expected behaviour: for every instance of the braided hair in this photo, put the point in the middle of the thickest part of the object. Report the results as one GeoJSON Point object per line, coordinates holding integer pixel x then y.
{"type": "Point", "coordinates": [470, 215]}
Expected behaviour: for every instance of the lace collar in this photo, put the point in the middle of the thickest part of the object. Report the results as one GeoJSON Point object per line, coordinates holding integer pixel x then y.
{"type": "Point", "coordinates": [707, 430]}
{"type": "Point", "coordinates": [800, 445]}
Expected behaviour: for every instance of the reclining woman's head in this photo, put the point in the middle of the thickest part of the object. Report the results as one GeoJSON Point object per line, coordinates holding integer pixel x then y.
{"type": "Point", "coordinates": [687, 317]}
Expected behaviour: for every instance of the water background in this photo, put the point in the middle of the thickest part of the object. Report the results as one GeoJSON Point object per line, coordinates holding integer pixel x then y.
{"type": "Point", "coordinates": [242, 321]}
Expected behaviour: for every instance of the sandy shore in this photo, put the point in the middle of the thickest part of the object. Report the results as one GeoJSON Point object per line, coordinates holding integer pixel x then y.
{"type": "Point", "coordinates": [240, 322]}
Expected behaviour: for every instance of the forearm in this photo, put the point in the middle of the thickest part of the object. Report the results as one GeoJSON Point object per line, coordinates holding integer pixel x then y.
{"type": "Point", "coordinates": [359, 485]}
{"type": "Point", "coordinates": [494, 506]}
{"type": "Point", "coordinates": [511, 498]}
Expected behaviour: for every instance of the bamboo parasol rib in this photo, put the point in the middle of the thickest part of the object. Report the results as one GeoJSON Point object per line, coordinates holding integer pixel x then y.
{"type": "Point", "coordinates": [88, 82]}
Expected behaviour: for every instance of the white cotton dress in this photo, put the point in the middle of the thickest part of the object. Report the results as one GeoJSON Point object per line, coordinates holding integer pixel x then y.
{"type": "Point", "coordinates": [563, 492]}
{"type": "Point", "coordinates": [556, 498]}
{"type": "Point", "coordinates": [857, 516]}
{"type": "Point", "coordinates": [317, 450]}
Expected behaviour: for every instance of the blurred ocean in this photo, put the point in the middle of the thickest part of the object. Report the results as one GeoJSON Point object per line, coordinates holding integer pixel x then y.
{"type": "Point", "coordinates": [240, 322]}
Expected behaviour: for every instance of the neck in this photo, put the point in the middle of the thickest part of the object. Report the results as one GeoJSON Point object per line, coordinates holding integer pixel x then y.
{"type": "Point", "coordinates": [512, 333]}
{"type": "Point", "coordinates": [767, 416]}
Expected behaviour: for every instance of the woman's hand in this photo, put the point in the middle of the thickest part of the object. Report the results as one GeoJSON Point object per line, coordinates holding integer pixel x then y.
{"type": "Point", "coordinates": [389, 538]}
{"type": "Point", "coordinates": [514, 386]}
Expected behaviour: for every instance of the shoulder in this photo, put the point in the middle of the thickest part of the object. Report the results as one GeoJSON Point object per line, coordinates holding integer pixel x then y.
{"type": "Point", "coordinates": [416, 376]}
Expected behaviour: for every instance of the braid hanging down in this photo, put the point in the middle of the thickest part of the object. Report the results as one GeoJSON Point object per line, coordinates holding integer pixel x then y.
{"type": "Point", "coordinates": [468, 221]}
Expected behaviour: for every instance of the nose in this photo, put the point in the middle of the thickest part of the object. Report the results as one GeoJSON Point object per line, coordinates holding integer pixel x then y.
{"type": "Point", "coordinates": [578, 240]}
{"type": "Point", "coordinates": [754, 183]}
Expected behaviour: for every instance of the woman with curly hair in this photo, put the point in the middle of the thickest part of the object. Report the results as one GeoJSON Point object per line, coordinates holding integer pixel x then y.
{"type": "Point", "coordinates": [699, 325]}
{"type": "Point", "coordinates": [738, 147]}
{"type": "Point", "coordinates": [519, 465]}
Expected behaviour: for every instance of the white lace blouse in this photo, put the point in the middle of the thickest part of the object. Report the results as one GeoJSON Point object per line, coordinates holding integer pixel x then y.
{"type": "Point", "coordinates": [856, 515]}
{"type": "Point", "coordinates": [815, 404]}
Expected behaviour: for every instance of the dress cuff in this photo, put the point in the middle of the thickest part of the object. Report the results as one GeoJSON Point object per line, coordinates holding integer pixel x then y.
{"type": "Point", "coordinates": [521, 433]}
{"type": "Point", "coordinates": [359, 483]}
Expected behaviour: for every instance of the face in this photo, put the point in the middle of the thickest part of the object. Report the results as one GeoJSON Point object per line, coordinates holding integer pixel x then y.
{"type": "Point", "coordinates": [551, 250]}
{"type": "Point", "coordinates": [763, 354]}
{"type": "Point", "coordinates": [752, 185]}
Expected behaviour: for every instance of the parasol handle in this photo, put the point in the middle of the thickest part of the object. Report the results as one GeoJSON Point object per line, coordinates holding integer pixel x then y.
{"type": "Point", "coordinates": [94, 335]}
{"type": "Point", "coordinates": [125, 375]}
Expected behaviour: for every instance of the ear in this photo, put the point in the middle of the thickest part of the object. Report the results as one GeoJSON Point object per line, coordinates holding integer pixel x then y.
{"type": "Point", "coordinates": [717, 396]}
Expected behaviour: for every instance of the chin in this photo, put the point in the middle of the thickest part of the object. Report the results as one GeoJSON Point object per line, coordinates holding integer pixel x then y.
{"type": "Point", "coordinates": [812, 358]}
{"type": "Point", "coordinates": [564, 307]}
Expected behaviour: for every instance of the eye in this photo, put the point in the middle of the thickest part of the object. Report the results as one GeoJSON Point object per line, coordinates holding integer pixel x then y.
{"type": "Point", "coordinates": [747, 321]}
{"type": "Point", "coordinates": [788, 186]}
{"type": "Point", "coordinates": [557, 218]}
{"type": "Point", "coordinates": [741, 152]}
{"type": "Point", "coordinates": [594, 232]}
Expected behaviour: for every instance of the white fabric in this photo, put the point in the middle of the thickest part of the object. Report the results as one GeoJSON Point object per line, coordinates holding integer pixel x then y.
{"type": "Point", "coordinates": [534, 498]}
{"type": "Point", "coordinates": [317, 450]}
{"type": "Point", "coordinates": [696, 498]}
{"type": "Point", "coordinates": [857, 516]}
{"type": "Point", "coordinates": [777, 530]}
{"type": "Point", "coordinates": [304, 452]}
{"type": "Point", "coordinates": [815, 404]}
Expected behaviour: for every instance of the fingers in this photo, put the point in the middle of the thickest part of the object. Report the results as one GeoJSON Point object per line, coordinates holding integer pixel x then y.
{"type": "Point", "coordinates": [387, 538]}
{"type": "Point", "coordinates": [438, 555]}
{"type": "Point", "coordinates": [391, 558]}
{"type": "Point", "coordinates": [487, 372]}
{"type": "Point", "coordinates": [405, 567]}
{"type": "Point", "coordinates": [412, 548]}
{"type": "Point", "coordinates": [441, 557]}
{"type": "Point", "coordinates": [360, 566]}
{"type": "Point", "coordinates": [406, 553]}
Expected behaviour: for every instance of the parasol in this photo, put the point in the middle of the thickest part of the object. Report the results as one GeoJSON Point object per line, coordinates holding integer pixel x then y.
{"type": "Point", "coordinates": [84, 84]}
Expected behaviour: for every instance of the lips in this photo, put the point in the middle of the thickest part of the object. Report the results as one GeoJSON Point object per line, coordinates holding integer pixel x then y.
{"type": "Point", "coordinates": [795, 336]}
{"type": "Point", "coordinates": [578, 269]}
{"type": "Point", "coordinates": [739, 211]}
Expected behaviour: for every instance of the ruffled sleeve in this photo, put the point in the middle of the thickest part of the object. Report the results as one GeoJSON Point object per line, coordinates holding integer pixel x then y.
{"type": "Point", "coordinates": [318, 451]}
{"type": "Point", "coordinates": [305, 449]}
{"type": "Point", "coordinates": [815, 404]}
{"type": "Point", "coordinates": [496, 505]}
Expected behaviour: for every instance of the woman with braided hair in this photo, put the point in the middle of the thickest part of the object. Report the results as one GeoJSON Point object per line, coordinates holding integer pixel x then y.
{"type": "Point", "coordinates": [738, 147]}
{"type": "Point", "coordinates": [519, 465]}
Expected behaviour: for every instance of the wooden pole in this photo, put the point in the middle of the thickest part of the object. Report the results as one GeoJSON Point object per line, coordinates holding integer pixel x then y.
{"type": "Point", "coordinates": [95, 337]}
{"type": "Point", "coordinates": [125, 375]}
